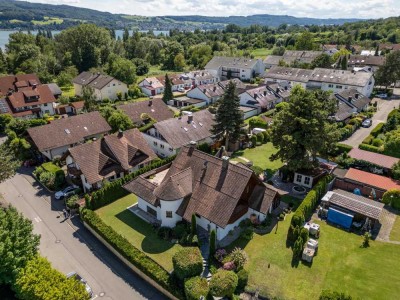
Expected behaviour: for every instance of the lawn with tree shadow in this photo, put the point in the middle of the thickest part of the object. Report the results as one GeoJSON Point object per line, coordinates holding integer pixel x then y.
{"type": "Point", "coordinates": [140, 233]}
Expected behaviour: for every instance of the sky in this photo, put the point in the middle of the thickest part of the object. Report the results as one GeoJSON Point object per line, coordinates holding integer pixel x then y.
{"type": "Point", "coordinates": [366, 9]}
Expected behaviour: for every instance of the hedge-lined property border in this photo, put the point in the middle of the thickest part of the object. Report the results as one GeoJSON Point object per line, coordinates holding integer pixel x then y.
{"type": "Point", "coordinates": [143, 265]}
{"type": "Point", "coordinates": [307, 207]}
{"type": "Point", "coordinates": [113, 191]}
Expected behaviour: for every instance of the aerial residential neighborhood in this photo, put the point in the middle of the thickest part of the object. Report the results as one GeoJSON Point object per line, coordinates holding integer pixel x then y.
{"type": "Point", "coordinates": [199, 157]}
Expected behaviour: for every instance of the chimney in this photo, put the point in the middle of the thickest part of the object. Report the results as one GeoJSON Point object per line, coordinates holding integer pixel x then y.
{"type": "Point", "coordinates": [120, 133]}
{"type": "Point", "coordinates": [192, 146]}
{"type": "Point", "coordinates": [286, 88]}
{"type": "Point", "coordinates": [204, 91]}
{"type": "Point", "coordinates": [214, 88]}
{"type": "Point", "coordinates": [255, 96]}
{"type": "Point", "coordinates": [350, 98]}
{"type": "Point", "coordinates": [277, 90]}
{"type": "Point", "coordinates": [225, 162]}
{"type": "Point", "coordinates": [356, 95]}
{"type": "Point", "coordinates": [150, 102]}
{"type": "Point", "coordinates": [34, 86]}
{"type": "Point", "coordinates": [190, 118]}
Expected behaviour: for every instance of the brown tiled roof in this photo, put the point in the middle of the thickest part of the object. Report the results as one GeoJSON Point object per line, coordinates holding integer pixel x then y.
{"type": "Point", "coordinates": [262, 96]}
{"type": "Point", "coordinates": [117, 152]}
{"type": "Point", "coordinates": [210, 187]}
{"type": "Point", "coordinates": [68, 131]}
{"type": "Point", "coordinates": [370, 60]}
{"type": "Point", "coordinates": [78, 104]}
{"type": "Point", "coordinates": [176, 186]}
{"type": "Point", "coordinates": [356, 203]}
{"type": "Point", "coordinates": [175, 79]}
{"type": "Point", "coordinates": [155, 108]}
{"type": "Point", "coordinates": [377, 181]}
{"type": "Point", "coordinates": [143, 189]}
{"type": "Point", "coordinates": [374, 158]}
{"type": "Point", "coordinates": [211, 90]}
{"type": "Point", "coordinates": [44, 94]}
{"type": "Point", "coordinates": [9, 82]}
{"type": "Point", "coordinates": [178, 132]}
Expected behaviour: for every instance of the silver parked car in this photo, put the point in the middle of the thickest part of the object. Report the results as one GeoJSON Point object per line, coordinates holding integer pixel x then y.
{"type": "Point", "coordinates": [65, 193]}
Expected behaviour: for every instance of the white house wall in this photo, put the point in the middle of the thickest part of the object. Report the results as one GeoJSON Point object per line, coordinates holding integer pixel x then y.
{"type": "Point", "coordinates": [171, 206]}
{"type": "Point", "coordinates": [196, 93]}
{"type": "Point", "coordinates": [161, 148]}
{"type": "Point", "coordinates": [142, 204]}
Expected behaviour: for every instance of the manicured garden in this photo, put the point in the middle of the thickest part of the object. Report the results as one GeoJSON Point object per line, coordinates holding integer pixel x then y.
{"type": "Point", "coordinates": [341, 265]}
{"type": "Point", "coordinates": [138, 232]}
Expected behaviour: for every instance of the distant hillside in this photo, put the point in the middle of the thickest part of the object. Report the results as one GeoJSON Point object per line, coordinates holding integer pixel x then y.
{"type": "Point", "coordinates": [26, 15]}
{"type": "Point", "coordinates": [265, 20]}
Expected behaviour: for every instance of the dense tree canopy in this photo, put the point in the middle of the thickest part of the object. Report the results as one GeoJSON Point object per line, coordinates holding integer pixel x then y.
{"type": "Point", "coordinates": [39, 281]}
{"type": "Point", "coordinates": [302, 130]}
{"type": "Point", "coordinates": [18, 244]}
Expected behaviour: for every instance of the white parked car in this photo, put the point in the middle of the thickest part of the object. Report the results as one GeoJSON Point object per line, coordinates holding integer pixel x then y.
{"type": "Point", "coordinates": [83, 281]}
{"type": "Point", "coordinates": [382, 96]}
{"type": "Point", "coordinates": [65, 193]}
{"type": "Point", "coordinates": [181, 90]}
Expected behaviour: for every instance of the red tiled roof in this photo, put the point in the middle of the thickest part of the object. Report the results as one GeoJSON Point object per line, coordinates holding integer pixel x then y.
{"type": "Point", "coordinates": [43, 93]}
{"type": "Point", "coordinates": [374, 158]}
{"type": "Point", "coordinates": [78, 104]}
{"type": "Point", "coordinates": [373, 180]}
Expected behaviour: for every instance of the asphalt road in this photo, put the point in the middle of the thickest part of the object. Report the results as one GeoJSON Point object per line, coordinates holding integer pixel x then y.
{"type": "Point", "coordinates": [384, 108]}
{"type": "Point", "coordinates": [70, 247]}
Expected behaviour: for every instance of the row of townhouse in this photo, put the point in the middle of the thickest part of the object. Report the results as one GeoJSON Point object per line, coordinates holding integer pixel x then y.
{"type": "Point", "coordinates": [324, 79]}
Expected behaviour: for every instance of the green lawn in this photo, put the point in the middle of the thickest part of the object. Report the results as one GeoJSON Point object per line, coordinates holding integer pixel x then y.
{"type": "Point", "coordinates": [395, 233]}
{"type": "Point", "coordinates": [47, 21]}
{"type": "Point", "coordinates": [261, 53]}
{"type": "Point", "coordinates": [137, 231]}
{"type": "Point", "coordinates": [155, 71]}
{"type": "Point", "coordinates": [259, 156]}
{"type": "Point", "coordinates": [341, 265]}
{"type": "Point", "coordinates": [68, 91]}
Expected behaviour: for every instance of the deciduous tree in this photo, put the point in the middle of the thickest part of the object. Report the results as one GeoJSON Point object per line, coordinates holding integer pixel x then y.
{"type": "Point", "coordinates": [302, 130]}
{"type": "Point", "coordinates": [89, 98]}
{"type": "Point", "coordinates": [18, 244]}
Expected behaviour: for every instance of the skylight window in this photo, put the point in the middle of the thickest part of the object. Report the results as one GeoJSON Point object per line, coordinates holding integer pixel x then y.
{"type": "Point", "coordinates": [67, 131]}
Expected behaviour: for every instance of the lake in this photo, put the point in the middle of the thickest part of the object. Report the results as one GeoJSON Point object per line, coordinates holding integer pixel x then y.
{"type": "Point", "coordinates": [4, 34]}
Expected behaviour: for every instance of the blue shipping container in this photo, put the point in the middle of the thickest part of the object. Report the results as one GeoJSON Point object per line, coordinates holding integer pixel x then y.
{"type": "Point", "coordinates": [340, 218]}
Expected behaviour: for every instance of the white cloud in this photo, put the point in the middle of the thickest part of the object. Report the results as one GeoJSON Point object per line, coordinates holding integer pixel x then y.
{"type": "Point", "coordinates": [299, 8]}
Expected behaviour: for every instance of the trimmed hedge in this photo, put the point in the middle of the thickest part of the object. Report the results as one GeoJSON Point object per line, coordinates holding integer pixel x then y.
{"type": "Point", "coordinates": [195, 288]}
{"type": "Point", "coordinates": [369, 148]}
{"type": "Point", "coordinates": [377, 130]}
{"type": "Point", "coordinates": [306, 208]}
{"type": "Point", "coordinates": [343, 148]}
{"type": "Point", "coordinates": [113, 191]}
{"type": "Point", "coordinates": [140, 260]}
{"type": "Point", "coordinates": [187, 262]}
{"type": "Point", "coordinates": [223, 283]}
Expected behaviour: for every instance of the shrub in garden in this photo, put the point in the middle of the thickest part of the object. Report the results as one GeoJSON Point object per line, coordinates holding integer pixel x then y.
{"type": "Point", "coordinates": [298, 247]}
{"type": "Point", "coordinates": [396, 170]}
{"type": "Point", "coordinates": [187, 263]}
{"type": "Point", "coordinates": [223, 283]}
{"type": "Point", "coordinates": [193, 225]}
{"type": "Point", "coordinates": [195, 288]}
{"type": "Point", "coordinates": [213, 241]}
{"type": "Point", "coordinates": [179, 231]}
{"type": "Point", "coordinates": [257, 122]}
{"type": "Point", "coordinates": [377, 142]}
{"type": "Point", "coordinates": [72, 202]}
{"type": "Point", "coordinates": [253, 140]}
{"type": "Point", "coordinates": [392, 198]}
{"type": "Point", "coordinates": [164, 233]}
{"type": "Point", "coordinates": [366, 238]}
{"type": "Point", "coordinates": [220, 254]}
{"type": "Point", "coordinates": [243, 278]}
{"type": "Point", "coordinates": [239, 257]}
{"type": "Point", "coordinates": [260, 137]}
{"type": "Point", "coordinates": [369, 148]}
{"type": "Point", "coordinates": [266, 136]}
{"type": "Point", "coordinates": [229, 266]}
{"type": "Point", "coordinates": [48, 179]}
{"type": "Point", "coordinates": [247, 234]}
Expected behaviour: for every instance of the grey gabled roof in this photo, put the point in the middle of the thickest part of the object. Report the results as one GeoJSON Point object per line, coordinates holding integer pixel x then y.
{"type": "Point", "coordinates": [233, 62]}
{"type": "Point", "coordinates": [179, 132]}
{"type": "Point", "coordinates": [95, 80]}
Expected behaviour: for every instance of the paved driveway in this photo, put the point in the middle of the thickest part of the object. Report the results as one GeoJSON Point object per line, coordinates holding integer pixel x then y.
{"type": "Point", "coordinates": [70, 247]}
{"type": "Point", "coordinates": [384, 108]}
